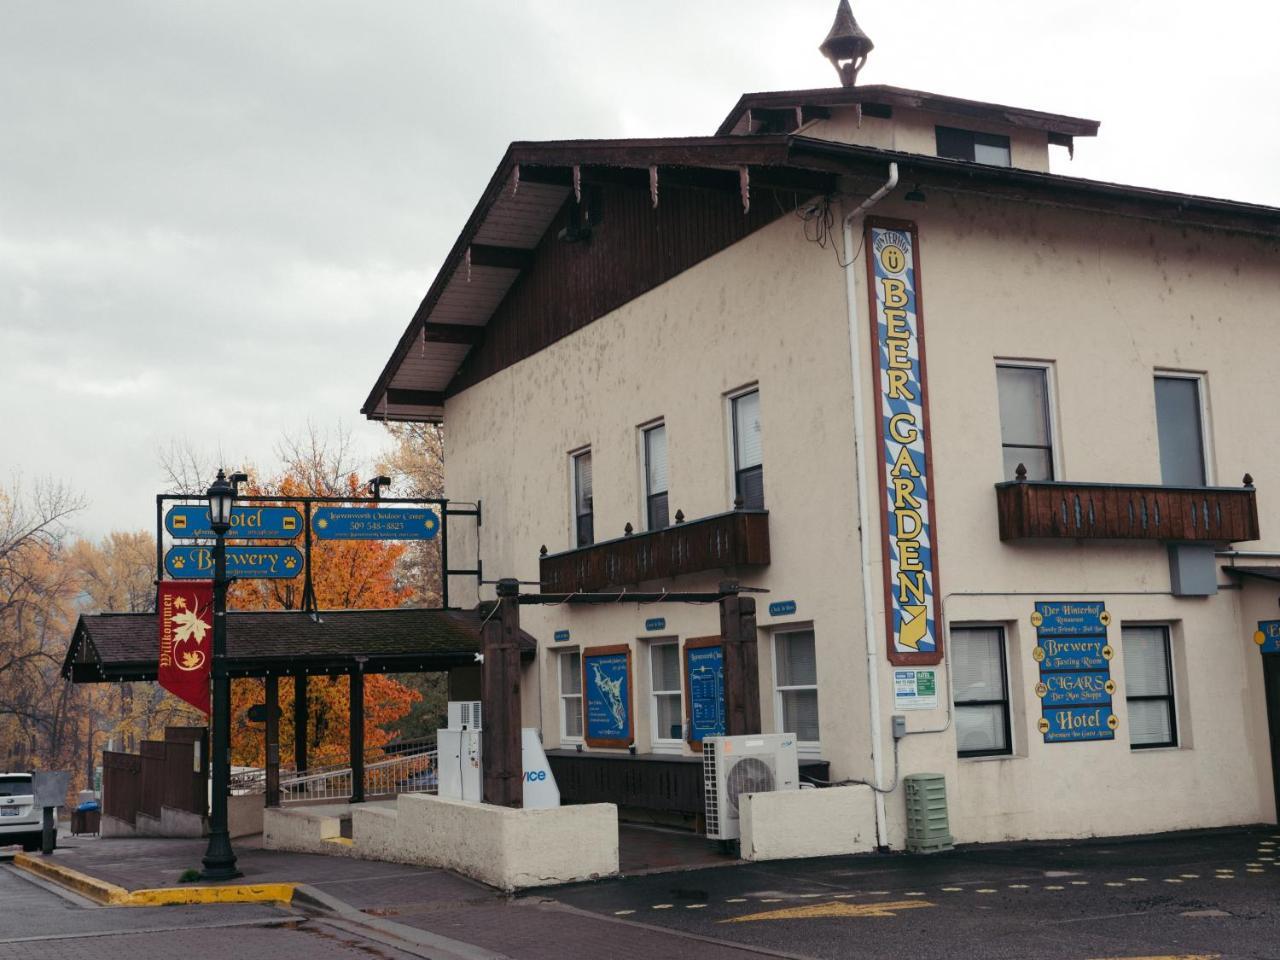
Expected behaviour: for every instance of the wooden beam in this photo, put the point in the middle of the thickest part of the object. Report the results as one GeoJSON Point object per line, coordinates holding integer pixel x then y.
{"type": "Point", "coordinates": [454, 333]}
{"type": "Point", "coordinates": [510, 258]}
{"type": "Point", "coordinates": [272, 735]}
{"type": "Point", "coordinates": [357, 734]}
{"type": "Point", "coordinates": [414, 398]}
{"type": "Point", "coordinates": [500, 701]}
{"type": "Point", "coordinates": [741, 664]}
{"type": "Point", "coordinates": [300, 722]}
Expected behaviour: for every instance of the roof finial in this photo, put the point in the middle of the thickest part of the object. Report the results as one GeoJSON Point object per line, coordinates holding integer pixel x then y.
{"type": "Point", "coordinates": [846, 45]}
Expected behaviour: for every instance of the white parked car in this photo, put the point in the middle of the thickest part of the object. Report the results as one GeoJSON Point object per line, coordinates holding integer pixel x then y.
{"type": "Point", "coordinates": [20, 819]}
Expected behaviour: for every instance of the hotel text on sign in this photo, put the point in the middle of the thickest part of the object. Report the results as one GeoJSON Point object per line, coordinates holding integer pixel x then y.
{"type": "Point", "coordinates": [906, 484]}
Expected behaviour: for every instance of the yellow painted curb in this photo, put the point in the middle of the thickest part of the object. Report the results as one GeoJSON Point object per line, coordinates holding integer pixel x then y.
{"type": "Point", "coordinates": [111, 895]}
{"type": "Point", "coordinates": [341, 841]}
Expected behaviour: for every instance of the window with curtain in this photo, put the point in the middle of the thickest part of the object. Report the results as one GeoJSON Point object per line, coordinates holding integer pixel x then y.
{"type": "Point", "coordinates": [570, 695]}
{"type": "Point", "coordinates": [796, 684]}
{"type": "Point", "coordinates": [748, 456]}
{"type": "Point", "coordinates": [1180, 431]}
{"type": "Point", "coordinates": [655, 477]}
{"type": "Point", "coordinates": [1148, 686]}
{"type": "Point", "coordinates": [664, 687]}
{"type": "Point", "coordinates": [989, 148]}
{"type": "Point", "coordinates": [584, 527]}
{"type": "Point", "coordinates": [1025, 435]}
{"type": "Point", "coordinates": [980, 691]}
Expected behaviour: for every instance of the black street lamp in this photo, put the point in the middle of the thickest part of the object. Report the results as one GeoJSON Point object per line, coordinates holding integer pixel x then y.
{"type": "Point", "coordinates": [219, 859]}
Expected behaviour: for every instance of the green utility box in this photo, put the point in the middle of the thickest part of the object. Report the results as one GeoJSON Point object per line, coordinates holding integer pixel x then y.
{"type": "Point", "coordinates": [928, 830]}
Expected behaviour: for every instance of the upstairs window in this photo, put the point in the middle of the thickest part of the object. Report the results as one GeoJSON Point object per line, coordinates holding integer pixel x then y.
{"type": "Point", "coordinates": [748, 460]}
{"type": "Point", "coordinates": [657, 513]}
{"type": "Point", "coordinates": [1025, 428]}
{"type": "Point", "coordinates": [1180, 429]}
{"type": "Point", "coordinates": [584, 529]}
{"type": "Point", "coordinates": [990, 148]}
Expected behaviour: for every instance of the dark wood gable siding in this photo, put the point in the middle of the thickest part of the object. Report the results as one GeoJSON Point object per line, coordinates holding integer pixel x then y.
{"type": "Point", "coordinates": [634, 248]}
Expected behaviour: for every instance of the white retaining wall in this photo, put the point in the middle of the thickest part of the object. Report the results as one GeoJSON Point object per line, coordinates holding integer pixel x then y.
{"type": "Point", "coordinates": [807, 823]}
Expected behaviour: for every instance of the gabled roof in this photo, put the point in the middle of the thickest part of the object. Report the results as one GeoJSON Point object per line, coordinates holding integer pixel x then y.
{"type": "Point", "coordinates": [125, 646]}
{"type": "Point", "coordinates": [534, 182]}
{"type": "Point", "coordinates": [754, 109]}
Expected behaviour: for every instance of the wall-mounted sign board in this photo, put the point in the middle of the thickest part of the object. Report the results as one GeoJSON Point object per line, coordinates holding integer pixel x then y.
{"type": "Point", "coordinates": [374, 523]}
{"type": "Point", "coordinates": [1075, 685]}
{"type": "Point", "coordinates": [915, 689]}
{"type": "Point", "coordinates": [782, 608]}
{"type": "Point", "coordinates": [704, 688]}
{"type": "Point", "coordinates": [909, 548]}
{"type": "Point", "coordinates": [606, 688]}
{"type": "Point", "coordinates": [562, 636]}
{"type": "Point", "coordinates": [656, 623]}
{"type": "Point", "coordinates": [244, 563]}
{"type": "Point", "coordinates": [190, 522]}
{"type": "Point", "coordinates": [1267, 636]}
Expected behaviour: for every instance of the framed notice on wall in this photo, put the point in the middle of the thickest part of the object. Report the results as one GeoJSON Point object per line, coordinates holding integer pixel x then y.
{"type": "Point", "coordinates": [606, 689]}
{"type": "Point", "coordinates": [704, 688]}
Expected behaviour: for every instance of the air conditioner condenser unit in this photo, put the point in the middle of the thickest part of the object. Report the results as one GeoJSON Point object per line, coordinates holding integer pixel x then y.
{"type": "Point", "coordinates": [733, 766]}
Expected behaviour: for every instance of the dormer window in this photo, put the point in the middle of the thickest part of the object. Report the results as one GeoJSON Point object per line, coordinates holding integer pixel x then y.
{"type": "Point", "coordinates": [990, 148]}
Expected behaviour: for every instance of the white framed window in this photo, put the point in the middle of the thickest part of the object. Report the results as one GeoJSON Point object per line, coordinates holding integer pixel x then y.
{"type": "Point", "coordinates": [795, 684]}
{"type": "Point", "coordinates": [665, 696]}
{"type": "Point", "coordinates": [1182, 429]}
{"type": "Point", "coordinates": [748, 451]}
{"type": "Point", "coordinates": [1027, 429]}
{"type": "Point", "coordinates": [570, 667]}
{"type": "Point", "coordinates": [653, 443]}
{"type": "Point", "coordinates": [1148, 686]}
{"type": "Point", "coordinates": [583, 512]}
{"type": "Point", "coordinates": [980, 691]}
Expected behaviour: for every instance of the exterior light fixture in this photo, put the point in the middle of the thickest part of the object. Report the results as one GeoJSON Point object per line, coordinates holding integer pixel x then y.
{"type": "Point", "coordinates": [915, 195]}
{"type": "Point", "coordinates": [221, 496]}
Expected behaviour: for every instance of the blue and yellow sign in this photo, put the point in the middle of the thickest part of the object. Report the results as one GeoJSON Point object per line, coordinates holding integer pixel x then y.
{"type": "Point", "coordinates": [374, 523]}
{"type": "Point", "coordinates": [1267, 636]}
{"type": "Point", "coordinates": [1075, 687]}
{"type": "Point", "coordinates": [258, 523]}
{"type": "Point", "coordinates": [189, 562]}
{"type": "Point", "coordinates": [906, 484]}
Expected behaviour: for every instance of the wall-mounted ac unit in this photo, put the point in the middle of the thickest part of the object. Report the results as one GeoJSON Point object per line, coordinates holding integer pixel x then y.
{"type": "Point", "coordinates": [464, 715]}
{"type": "Point", "coordinates": [732, 766]}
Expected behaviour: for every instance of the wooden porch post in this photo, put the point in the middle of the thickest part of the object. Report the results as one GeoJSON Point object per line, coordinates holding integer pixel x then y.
{"type": "Point", "coordinates": [300, 722]}
{"type": "Point", "coordinates": [500, 701]}
{"type": "Point", "coordinates": [741, 662]}
{"type": "Point", "coordinates": [273, 741]}
{"type": "Point", "coordinates": [357, 733]}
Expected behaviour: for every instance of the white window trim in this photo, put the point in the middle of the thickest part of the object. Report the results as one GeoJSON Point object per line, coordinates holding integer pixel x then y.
{"type": "Point", "coordinates": [562, 697]}
{"type": "Point", "coordinates": [1051, 385]}
{"type": "Point", "coordinates": [1006, 630]}
{"type": "Point", "coordinates": [732, 472]}
{"type": "Point", "coordinates": [660, 744]}
{"type": "Point", "coordinates": [572, 487]}
{"type": "Point", "coordinates": [642, 475]}
{"type": "Point", "coordinates": [803, 747]}
{"type": "Point", "coordinates": [1170, 636]}
{"type": "Point", "coordinates": [1206, 429]}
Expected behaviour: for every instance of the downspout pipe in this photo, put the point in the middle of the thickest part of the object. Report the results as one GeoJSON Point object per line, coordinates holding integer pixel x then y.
{"type": "Point", "coordinates": [864, 514]}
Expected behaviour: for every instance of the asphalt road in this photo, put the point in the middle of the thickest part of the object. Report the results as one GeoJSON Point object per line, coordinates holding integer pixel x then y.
{"type": "Point", "coordinates": [1205, 895]}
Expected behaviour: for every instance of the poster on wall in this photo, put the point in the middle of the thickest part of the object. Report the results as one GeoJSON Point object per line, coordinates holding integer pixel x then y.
{"type": "Point", "coordinates": [1074, 657]}
{"type": "Point", "coordinates": [704, 688]}
{"type": "Point", "coordinates": [906, 479]}
{"type": "Point", "coordinates": [915, 689]}
{"type": "Point", "coordinates": [606, 685]}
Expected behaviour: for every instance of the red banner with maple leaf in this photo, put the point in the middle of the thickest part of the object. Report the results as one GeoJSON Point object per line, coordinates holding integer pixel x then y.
{"type": "Point", "coordinates": [186, 639]}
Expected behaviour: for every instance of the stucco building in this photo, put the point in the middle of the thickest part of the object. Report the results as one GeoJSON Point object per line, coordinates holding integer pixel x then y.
{"type": "Point", "coordinates": [980, 429]}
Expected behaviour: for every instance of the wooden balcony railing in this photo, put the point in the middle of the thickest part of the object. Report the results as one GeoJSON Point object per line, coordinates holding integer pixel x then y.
{"type": "Point", "coordinates": [739, 538]}
{"type": "Point", "coordinates": [1118, 511]}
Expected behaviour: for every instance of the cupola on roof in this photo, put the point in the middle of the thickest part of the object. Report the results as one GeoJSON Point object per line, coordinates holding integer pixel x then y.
{"type": "Point", "coordinates": [846, 45]}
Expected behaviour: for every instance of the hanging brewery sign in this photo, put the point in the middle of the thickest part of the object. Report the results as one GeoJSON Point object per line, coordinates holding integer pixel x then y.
{"type": "Point", "coordinates": [245, 563]}
{"type": "Point", "coordinates": [906, 481]}
{"type": "Point", "coordinates": [374, 523]}
{"type": "Point", "coordinates": [190, 522]}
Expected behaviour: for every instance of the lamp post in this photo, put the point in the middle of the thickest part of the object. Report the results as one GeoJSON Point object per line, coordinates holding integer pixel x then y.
{"type": "Point", "coordinates": [219, 859]}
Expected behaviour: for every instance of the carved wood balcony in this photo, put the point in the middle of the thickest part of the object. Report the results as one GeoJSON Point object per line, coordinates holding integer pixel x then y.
{"type": "Point", "coordinates": [1031, 509]}
{"type": "Point", "coordinates": [739, 538]}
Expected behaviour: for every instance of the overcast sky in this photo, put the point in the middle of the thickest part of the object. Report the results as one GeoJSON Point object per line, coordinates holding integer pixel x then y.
{"type": "Point", "coordinates": [217, 218]}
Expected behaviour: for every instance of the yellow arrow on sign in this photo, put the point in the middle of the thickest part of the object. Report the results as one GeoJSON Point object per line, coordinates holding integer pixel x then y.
{"type": "Point", "coordinates": [836, 908]}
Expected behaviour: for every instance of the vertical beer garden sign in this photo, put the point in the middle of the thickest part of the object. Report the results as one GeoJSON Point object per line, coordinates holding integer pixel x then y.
{"type": "Point", "coordinates": [906, 483]}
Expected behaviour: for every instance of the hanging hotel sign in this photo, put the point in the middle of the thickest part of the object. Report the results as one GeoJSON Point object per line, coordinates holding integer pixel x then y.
{"type": "Point", "coordinates": [190, 522]}
{"type": "Point", "coordinates": [906, 481]}
{"type": "Point", "coordinates": [244, 563]}
{"type": "Point", "coordinates": [1267, 636]}
{"type": "Point", "coordinates": [1075, 686]}
{"type": "Point", "coordinates": [374, 523]}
